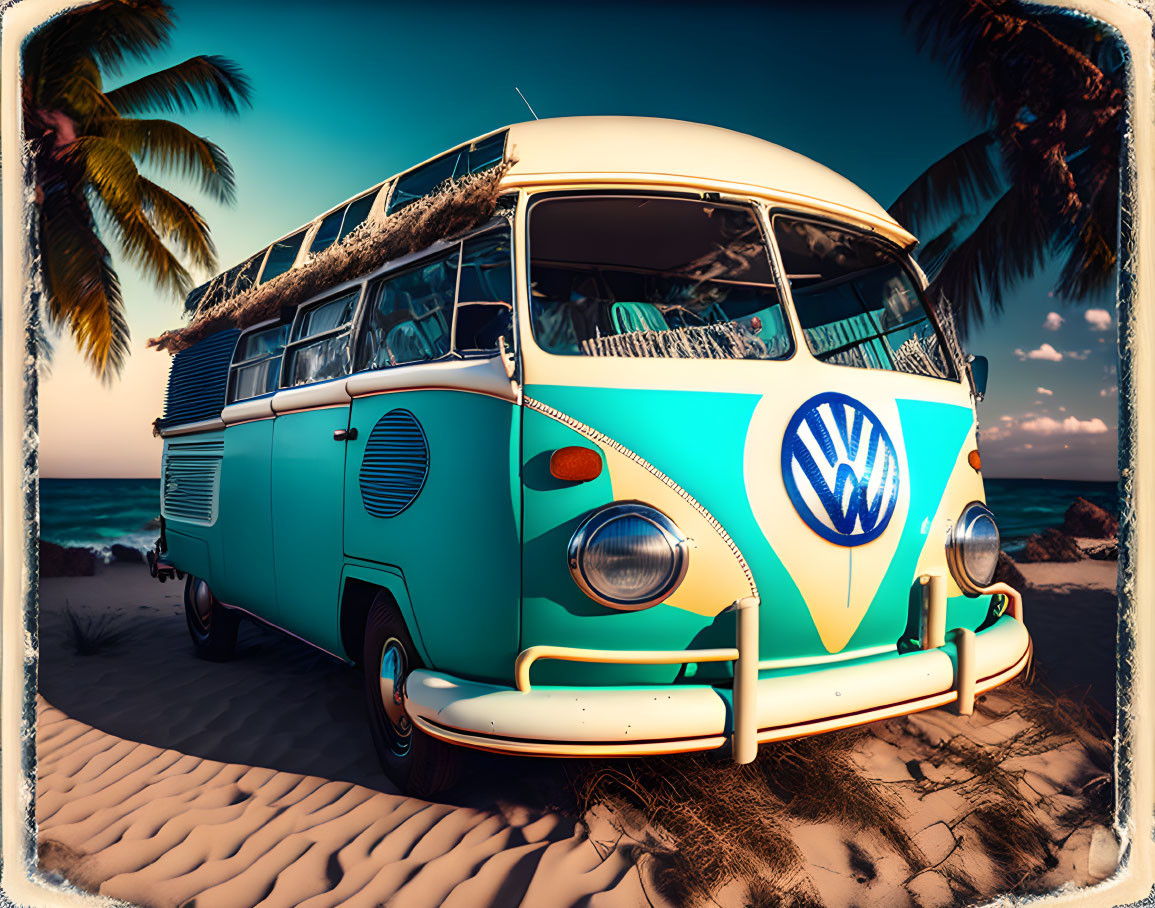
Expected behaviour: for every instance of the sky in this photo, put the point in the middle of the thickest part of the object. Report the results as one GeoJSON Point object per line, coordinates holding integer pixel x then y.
{"type": "Point", "coordinates": [347, 94]}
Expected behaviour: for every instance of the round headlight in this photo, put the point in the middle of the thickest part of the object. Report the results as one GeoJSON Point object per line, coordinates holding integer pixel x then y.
{"type": "Point", "coordinates": [972, 548]}
{"type": "Point", "coordinates": [628, 556]}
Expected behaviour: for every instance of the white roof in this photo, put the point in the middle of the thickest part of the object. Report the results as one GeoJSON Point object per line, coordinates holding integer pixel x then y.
{"type": "Point", "coordinates": [631, 146]}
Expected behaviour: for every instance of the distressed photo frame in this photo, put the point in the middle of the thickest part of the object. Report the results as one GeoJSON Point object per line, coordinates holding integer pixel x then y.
{"type": "Point", "coordinates": [1133, 882]}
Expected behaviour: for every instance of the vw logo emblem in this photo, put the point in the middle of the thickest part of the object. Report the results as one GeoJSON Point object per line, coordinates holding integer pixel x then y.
{"type": "Point", "coordinates": [840, 469]}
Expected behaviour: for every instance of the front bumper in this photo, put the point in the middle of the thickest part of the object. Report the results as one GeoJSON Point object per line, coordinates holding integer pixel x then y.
{"type": "Point", "coordinates": [676, 718]}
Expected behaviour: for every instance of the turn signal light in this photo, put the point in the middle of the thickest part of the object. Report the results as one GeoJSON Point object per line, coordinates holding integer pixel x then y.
{"type": "Point", "coordinates": [974, 460]}
{"type": "Point", "coordinates": [575, 464]}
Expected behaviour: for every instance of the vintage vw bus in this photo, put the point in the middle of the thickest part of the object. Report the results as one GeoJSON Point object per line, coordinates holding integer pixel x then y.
{"type": "Point", "coordinates": [668, 453]}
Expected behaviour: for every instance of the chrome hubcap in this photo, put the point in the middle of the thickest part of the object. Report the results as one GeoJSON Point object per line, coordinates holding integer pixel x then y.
{"type": "Point", "coordinates": [393, 670]}
{"type": "Point", "coordinates": [203, 603]}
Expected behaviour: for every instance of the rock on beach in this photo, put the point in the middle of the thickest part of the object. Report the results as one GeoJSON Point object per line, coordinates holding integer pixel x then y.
{"type": "Point", "coordinates": [1086, 519]}
{"type": "Point", "coordinates": [63, 561]}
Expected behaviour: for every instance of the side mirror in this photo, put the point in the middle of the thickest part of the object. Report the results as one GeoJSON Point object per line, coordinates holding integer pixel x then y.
{"type": "Point", "coordinates": [980, 369]}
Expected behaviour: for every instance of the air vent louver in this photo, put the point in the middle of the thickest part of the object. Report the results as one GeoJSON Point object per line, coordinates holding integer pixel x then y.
{"type": "Point", "coordinates": [191, 482]}
{"type": "Point", "coordinates": [395, 465]}
{"type": "Point", "coordinates": [198, 379]}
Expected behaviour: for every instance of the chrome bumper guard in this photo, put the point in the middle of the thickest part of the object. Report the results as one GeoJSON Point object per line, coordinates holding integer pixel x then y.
{"type": "Point", "coordinates": [568, 721]}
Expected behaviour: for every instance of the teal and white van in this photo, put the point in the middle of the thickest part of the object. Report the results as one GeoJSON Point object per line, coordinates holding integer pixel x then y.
{"type": "Point", "coordinates": [669, 454]}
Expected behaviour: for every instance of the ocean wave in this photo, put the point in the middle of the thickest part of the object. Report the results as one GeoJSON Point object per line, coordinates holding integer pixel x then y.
{"type": "Point", "coordinates": [142, 542]}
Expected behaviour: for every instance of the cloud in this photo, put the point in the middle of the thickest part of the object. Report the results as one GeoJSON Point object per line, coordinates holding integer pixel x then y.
{"type": "Point", "coordinates": [1107, 392]}
{"type": "Point", "coordinates": [1075, 354]}
{"type": "Point", "coordinates": [1046, 351]}
{"type": "Point", "coordinates": [1053, 321]}
{"type": "Point", "coordinates": [1047, 392]}
{"type": "Point", "coordinates": [1098, 319]}
{"type": "Point", "coordinates": [1045, 425]}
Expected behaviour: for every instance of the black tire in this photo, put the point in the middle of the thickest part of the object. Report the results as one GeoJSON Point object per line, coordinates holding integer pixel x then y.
{"type": "Point", "coordinates": [212, 627]}
{"type": "Point", "coordinates": [416, 763]}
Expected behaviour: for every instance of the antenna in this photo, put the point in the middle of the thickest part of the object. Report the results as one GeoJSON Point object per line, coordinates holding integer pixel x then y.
{"type": "Point", "coordinates": [518, 90]}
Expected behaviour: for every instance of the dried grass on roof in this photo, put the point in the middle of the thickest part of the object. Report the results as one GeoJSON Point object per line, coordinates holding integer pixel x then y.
{"type": "Point", "coordinates": [462, 205]}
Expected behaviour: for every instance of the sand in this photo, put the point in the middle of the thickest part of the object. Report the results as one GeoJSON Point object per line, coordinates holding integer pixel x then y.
{"type": "Point", "coordinates": [1071, 576]}
{"type": "Point", "coordinates": [163, 779]}
{"type": "Point", "coordinates": [156, 827]}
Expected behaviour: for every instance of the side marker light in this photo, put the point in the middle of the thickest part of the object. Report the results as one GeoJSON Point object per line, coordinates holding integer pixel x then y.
{"type": "Point", "coordinates": [575, 464]}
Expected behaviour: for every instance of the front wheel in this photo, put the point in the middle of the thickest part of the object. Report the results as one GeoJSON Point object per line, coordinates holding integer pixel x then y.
{"type": "Point", "coordinates": [213, 627]}
{"type": "Point", "coordinates": [418, 764]}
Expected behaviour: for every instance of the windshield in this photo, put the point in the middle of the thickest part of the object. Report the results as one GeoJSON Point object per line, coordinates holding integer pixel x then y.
{"type": "Point", "coordinates": [646, 276]}
{"type": "Point", "coordinates": [857, 303]}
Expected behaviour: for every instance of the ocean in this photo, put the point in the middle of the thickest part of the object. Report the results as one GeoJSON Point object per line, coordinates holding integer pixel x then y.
{"type": "Point", "coordinates": [99, 513]}
{"type": "Point", "coordinates": [102, 512]}
{"type": "Point", "coordinates": [1025, 506]}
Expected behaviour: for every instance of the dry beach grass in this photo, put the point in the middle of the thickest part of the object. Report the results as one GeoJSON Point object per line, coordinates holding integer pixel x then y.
{"type": "Point", "coordinates": [931, 809]}
{"type": "Point", "coordinates": [169, 781]}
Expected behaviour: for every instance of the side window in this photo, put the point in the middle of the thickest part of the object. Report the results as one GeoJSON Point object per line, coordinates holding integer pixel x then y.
{"type": "Point", "coordinates": [319, 349]}
{"type": "Point", "coordinates": [355, 214]}
{"type": "Point", "coordinates": [485, 294]}
{"type": "Point", "coordinates": [340, 223]}
{"type": "Point", "coordinates": [257, 363]}
{"type": "Point", "coordinates": [281, 256]}
{"type": "Point", "coordinates": [327, 232]}
{"type": "Point", "coordinates": [409, 316]}
{"type": "Point", "coordinates": [224, 286]}
{"type": "Point", "coordinates": [424, 180]}
{"type": "Point", "coordinates": [243, 276]}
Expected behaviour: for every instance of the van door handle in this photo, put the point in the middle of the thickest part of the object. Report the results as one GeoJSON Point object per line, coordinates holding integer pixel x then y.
{"type": "Point", "coordinates": [345, 435]}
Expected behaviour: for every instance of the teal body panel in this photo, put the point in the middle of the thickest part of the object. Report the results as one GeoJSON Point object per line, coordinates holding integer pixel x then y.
{"type": "Point", "coordinates": [698, 439]}
{"type": "Point", "coordinates": [195, 547]}
{"type": "Point", "coordinates": [388, 578]}
{"type": "Point", "coordinates": [189, 553]}
{"type": "Point", "coordinates": [308, 473]}
{"type": "Point", "coordinates": [246, 520]}
{"type": "Point", "coordinates": [555, 611]}
{"type": "Point", "coordinates": [458, 543]}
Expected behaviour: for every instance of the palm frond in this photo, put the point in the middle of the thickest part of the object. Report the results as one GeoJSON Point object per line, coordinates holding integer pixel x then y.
{"type": "Point", "coordinates": [1053, 97]}
{"type": "Point", "coordinates": [932, 254]}
{"type": "Point", "coordinates": [204, 80]}
{"type": "Point", "coordinates": [1007, 59]}
{"type": "Point", "coordinates": [963, 178]}
{"type": "Point", "coordinates": [966, 37]}
{"type": "Point", "coordinates": [116, 186]}
{"type": "Point", "coordinates": [109, 169]}
{"type": "Point", "coordinates": [1090, 254]}
{"type": "Point", "coordinates": [174, 149]}
{"type": "Point", "coordinates": [82, 291]}
{"type": "Point", "coordinates": [142, 245]}
{"type": "Point", "coordinates": [115, 31]}
{"type": "Point", "coordinates": [178, 222]}
{"type": "Point", "coordinates": [1010, 242]}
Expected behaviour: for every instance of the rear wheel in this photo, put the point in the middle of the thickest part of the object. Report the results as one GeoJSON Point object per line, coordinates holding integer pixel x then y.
{"type": "Point", "coordinates": [418, 764]}
{"type": "Point", "coordinates": [213, 627]}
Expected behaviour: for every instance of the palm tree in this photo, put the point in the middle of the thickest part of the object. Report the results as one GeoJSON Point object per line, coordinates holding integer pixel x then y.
{"type": "Point", "coordinates": [1041, 180]}
{"type": "Point", "coordinates": [85, 145]}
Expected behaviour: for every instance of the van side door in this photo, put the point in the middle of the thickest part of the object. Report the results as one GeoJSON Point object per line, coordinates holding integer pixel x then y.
{"type": "Point", "coordinates": [308, 470]}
